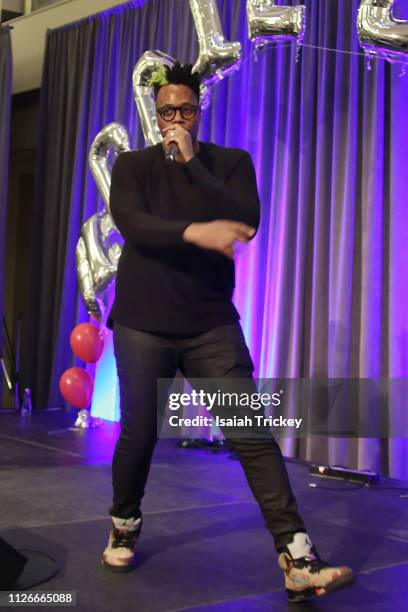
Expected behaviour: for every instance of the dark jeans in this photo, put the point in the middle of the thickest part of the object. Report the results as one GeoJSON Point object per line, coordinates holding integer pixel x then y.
{"type": "Point", "coordinates": [141, 359]}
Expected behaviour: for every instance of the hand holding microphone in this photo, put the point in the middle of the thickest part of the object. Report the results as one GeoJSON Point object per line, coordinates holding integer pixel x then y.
{"type": "Point", "coordinates": [177, 140]}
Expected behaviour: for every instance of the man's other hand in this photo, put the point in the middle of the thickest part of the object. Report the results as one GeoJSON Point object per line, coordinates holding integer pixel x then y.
{"type": "Point", "coordinates": [218, 235]}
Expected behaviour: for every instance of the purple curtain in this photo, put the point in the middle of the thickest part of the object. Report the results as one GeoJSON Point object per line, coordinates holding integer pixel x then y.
{"type": "Point", "coordinates": [321, 290]}
{"type": "Point", "coordinates": [6, 78]}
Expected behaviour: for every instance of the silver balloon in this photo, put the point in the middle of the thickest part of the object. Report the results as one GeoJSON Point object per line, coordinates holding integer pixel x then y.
{"type": "Point", "coordinates": [380, 33]}
{"type": "Point", "coordinates": [85, 281]}
{"type": "Point", "coordinates": [143, 92]}
{"type": "Point", "coordinates": [270, 23]}
{"type": "Point", "coordinates": [100, 244]}
{"type": "Point", "coordinates": [97, 254]}
{"type": "Point", "coordinates": [113, 136]}
{"type": "Point", "coordinates": [217, 57]}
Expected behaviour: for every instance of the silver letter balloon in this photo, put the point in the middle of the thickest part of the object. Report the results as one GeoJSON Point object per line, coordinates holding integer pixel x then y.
{"type": "Point", "coordinates": [100, 244]}
{"type": "Point", "coordinates": [270, 23]}
{"type": "Point", "coordinates": [143, 92]}
{"type": "Point", "coordinates": [380, 33]}
{"type": "Point", "coordinates": [217, 57]}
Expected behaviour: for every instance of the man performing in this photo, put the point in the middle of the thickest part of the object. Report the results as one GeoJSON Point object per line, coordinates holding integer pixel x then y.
{"type": "Point", "coordinates": [173, 310]}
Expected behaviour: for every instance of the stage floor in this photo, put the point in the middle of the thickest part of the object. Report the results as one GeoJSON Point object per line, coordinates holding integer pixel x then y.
{"type": "Point", "coordinates": [204, 545]}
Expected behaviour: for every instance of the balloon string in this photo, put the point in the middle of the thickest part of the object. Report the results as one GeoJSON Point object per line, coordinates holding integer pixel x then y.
{"type": "Point", "coordinates": [268, 47]}
{"type": "Point", "coordinates": [352, 53]}
{"type": "Point", "coordinates": [335, 50]}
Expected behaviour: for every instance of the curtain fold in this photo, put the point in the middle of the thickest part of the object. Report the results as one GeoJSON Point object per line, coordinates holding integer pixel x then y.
{"type": "Point", "coordinates": [321, 289]}
{"type": "Point", "coordinates": [6, 83]}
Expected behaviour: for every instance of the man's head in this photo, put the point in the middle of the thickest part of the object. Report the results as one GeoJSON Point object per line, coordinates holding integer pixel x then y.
{"type": "Point", "coordinates": [177, 93]}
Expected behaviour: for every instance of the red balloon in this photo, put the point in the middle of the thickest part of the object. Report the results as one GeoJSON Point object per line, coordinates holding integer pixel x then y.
{"type": "Point", "coordinates": [76, 386]}
{"type": "Point", "coordinates": [86, 342]}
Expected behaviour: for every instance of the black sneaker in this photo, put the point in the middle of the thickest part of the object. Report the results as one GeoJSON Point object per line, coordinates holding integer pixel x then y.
{"type": "Point", "coordinates": [306, 574]}
{"type": "Point", "coordinates": [119, 555]}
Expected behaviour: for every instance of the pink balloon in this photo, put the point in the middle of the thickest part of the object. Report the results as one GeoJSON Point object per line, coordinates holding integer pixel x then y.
{"type": "Point", "coordinates": [76, 386]}
{"type": "Point", "coordinates": [86, 342]}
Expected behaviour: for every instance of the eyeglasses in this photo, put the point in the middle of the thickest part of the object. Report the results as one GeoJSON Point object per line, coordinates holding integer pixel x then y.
{"type": "Point", "coordinates": [187, 111]}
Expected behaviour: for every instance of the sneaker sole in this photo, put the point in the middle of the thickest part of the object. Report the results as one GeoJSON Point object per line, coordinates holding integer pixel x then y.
{"type": "Point", "coordinates": [118, 568]}
{"type": "Point", "coordinates": [335, 585]}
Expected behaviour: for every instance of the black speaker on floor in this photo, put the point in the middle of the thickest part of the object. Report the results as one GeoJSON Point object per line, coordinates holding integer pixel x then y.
{"type": "Point", "coordinates": [12, 564]}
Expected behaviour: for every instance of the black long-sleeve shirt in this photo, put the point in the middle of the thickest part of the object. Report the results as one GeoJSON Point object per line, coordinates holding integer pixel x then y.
{"type": "Point", "coordinates": [163, 284]}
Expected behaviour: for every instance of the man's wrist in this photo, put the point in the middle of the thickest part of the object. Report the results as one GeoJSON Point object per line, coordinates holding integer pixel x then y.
{"type": "Point", "coordinates": [189, 157]}
{"type": "Point", "coordinates": [189, 232]}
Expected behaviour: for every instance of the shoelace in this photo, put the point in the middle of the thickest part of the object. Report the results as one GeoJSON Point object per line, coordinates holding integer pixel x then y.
{"type": "Point", "coordinates": [124, 538]}
{"type": "Point", "coordinates": [315, 564]}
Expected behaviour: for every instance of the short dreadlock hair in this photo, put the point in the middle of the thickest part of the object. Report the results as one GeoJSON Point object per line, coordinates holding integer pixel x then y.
{"type": "Point", "coordinates": [178, 74]}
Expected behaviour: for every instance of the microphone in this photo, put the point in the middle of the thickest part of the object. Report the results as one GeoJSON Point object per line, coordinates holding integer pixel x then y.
{"type": "Point", "coordinates": [172, 152]}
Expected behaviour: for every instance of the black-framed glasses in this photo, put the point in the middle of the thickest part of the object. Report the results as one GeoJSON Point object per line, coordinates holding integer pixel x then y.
{"type": "Point", "coordinates": [187, 111]}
